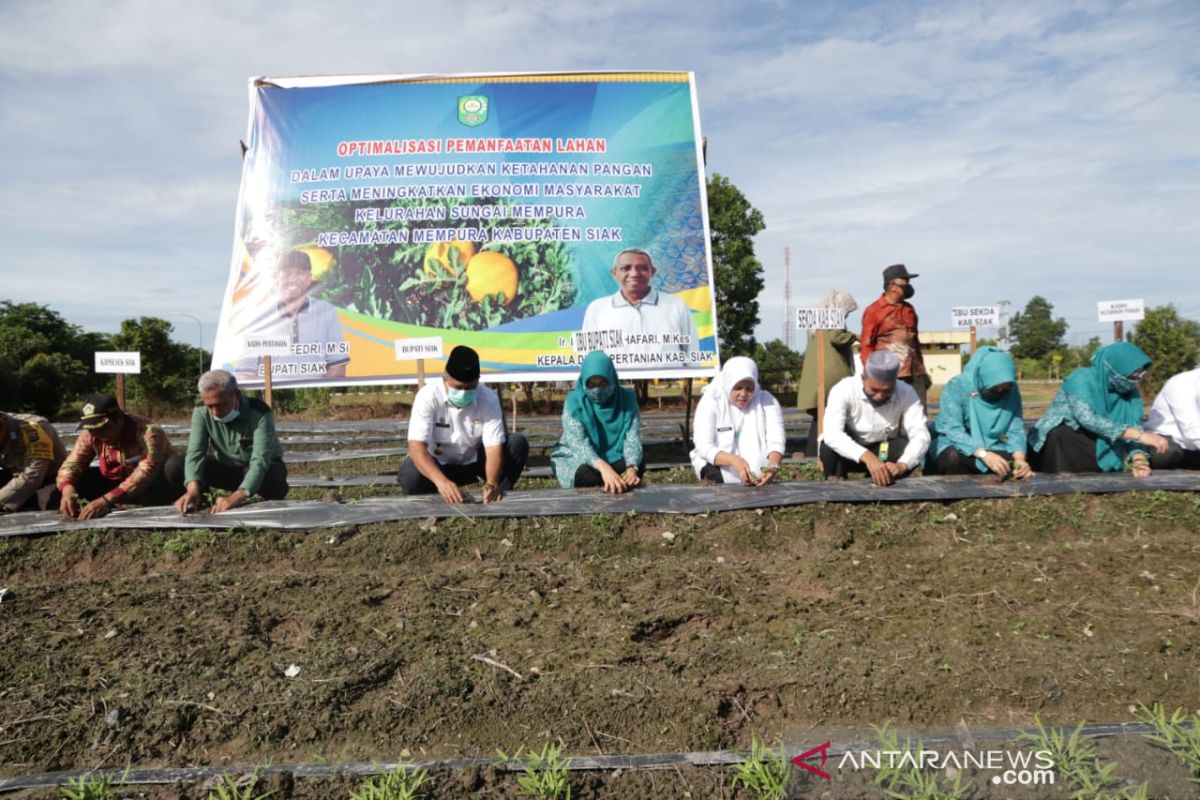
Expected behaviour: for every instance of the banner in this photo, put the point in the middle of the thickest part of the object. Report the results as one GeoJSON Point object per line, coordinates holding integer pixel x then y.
{"type": "Point", "coordinates": [532, 217]}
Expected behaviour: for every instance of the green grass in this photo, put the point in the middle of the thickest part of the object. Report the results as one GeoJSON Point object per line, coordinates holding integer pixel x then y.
{"type": "Point", "coordinates": [544, 774]}
{"type": "Point", "coordinates": [1179, 733]}
{"type": "Point", "coordinates": [764, 773]}
{"type": "Point", "coordinates": [908, 782]}
{"type": "Point", "coordinates": [398, 784]}
{"type": "Point", "coordinates": [1078, 766]}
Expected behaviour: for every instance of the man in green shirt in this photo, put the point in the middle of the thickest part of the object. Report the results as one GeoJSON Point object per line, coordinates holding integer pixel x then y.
{"type": "Point", "coordinates": [246, 457]}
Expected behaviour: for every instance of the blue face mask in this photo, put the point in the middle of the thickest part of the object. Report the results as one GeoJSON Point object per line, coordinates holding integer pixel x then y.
{"type": "Point", "coordinates": [599, 394]}
{"type": "Point", "coordinates": [461, 398]}
{"type": "Point", "coordinates": [231, 416]}
{"type": "Point", "coordinates": [1119, 383]}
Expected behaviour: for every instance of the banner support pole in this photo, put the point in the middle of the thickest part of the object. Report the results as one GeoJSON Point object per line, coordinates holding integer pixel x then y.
{"type": "Point", "coordinates": [268, 396]}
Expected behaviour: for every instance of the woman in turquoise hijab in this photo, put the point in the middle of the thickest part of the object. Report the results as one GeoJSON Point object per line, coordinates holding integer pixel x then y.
{"type": "Point", "coordinates": [1094, 423]}
{"type": "Point", "coordinates": [601, 442]}
{"type": "Point", "coordinates": [979, 428]}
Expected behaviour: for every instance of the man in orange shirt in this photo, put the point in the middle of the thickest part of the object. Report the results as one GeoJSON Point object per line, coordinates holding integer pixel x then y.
{"type": "Point", "coordinates": [890, 323]}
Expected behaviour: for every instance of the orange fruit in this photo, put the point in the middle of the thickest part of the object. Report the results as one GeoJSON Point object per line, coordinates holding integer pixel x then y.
{"type": "Point", "coordinates": [491, 274]}
{"type": "Point", "coordinates": [438, 261]}
{"type": "Point", "coordinates": [321, 260]}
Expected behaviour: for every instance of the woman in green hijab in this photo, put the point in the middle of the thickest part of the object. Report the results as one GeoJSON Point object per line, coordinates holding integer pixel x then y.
{"type": "Point", "coordinates": [979, 428]}
{"type": "Point", "coordinates": [1094, 423]}
{"type": "Point", "coordinates": [601, 442]}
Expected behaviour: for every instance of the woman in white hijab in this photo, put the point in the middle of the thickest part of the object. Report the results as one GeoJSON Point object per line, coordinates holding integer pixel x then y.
{"type": "Point", "coordinates": [738, 429]}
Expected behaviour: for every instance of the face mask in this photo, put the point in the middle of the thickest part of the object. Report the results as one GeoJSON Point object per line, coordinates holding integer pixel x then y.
{"type": "Point", "coordinates": [461, 398]}
{"type": "Point", "coordinates": [909, 291]}
{"type": "Point", "coordinates": [231, 416]}
{"type": "Point", "coordinates": [599, 394]}
{"type": "Point", "coordinates": [874, 402]}
{"type": "Point", "coordinates": [1121, 384]}
{"type": "Point", "coordinates": [991, 396]}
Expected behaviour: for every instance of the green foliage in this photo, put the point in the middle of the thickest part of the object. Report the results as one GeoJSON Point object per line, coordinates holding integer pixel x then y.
{"type": "Point", "coordinates": [44, 360]}
{"type": "Point", "coordinates": [736, 272]}
{"type": "Point", "coordinates": [1078, 765]}
{"type": "Point", "coordinates": [391, 282]}
{"type": "Point", "coordinates": [777, 363]}
{"type": "Point", "coordinates": [1036, 332]}
{"type": "Point", "coordinates": [1178, 733]}
{"type": "Point", "coordinates": [545, 774]}
{"type": "Point", "coordinates": [87, 787]}
{"type": "Point", "coordinates": [1173, 345]}
{"type": "Point", "coordinates": [232, 788]}
{"type": "Point", "coordinates": [908, 782]}
{"type": "Point", "coordinates": [169, 368]}
{"type": "Point", "coordinates": [395, 785]}
{"type": "Point", "coordinates": [764, 772]}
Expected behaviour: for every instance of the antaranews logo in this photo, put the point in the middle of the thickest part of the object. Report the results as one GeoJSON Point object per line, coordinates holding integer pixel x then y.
{"type": "Point", "coordinates": [472, 109]}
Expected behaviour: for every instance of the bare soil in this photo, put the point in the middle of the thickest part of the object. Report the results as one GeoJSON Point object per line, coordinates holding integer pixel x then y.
{"type": "Point", "coordinates": [607, 634]}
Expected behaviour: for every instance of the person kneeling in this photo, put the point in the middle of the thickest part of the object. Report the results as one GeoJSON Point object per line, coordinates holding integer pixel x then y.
{"type": "Point", "coordinates": [131, 452]}
{"type": "Point", "coordinates": [246, 458]}
{"type": "Point", "coordinates": [979, 428]}
{"type": "Point", "coordinates": [601, 442]}
{"type": "Point", "coordinates": [739, 428]}
{"type": "Point", "coordinates": [456, 436]}
{"type": "Point", "coordinates": [874, 423]}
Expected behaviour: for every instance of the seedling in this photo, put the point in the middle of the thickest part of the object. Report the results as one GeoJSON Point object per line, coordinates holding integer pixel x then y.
{"type": "Point", "coordinates": [87, 787]}
{"type": "Point", "coordinates": [545, 774]}
{"type": "Point", "coordinates": [232, 788]}
{"type": "Point", "coordinates": [1078, 765]}
{"type": "Point", "coordinates": [909, 782]}
{"type": "Point", "coordinates": [398, 784]}
{"type": "Point", "coordinates": [1177, 733]}
{"type": "Point", "coordinates": [764, 772]}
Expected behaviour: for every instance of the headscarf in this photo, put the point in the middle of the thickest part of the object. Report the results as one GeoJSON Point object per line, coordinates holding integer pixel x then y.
{"type": "Point", "coordinates": [989, 367]}
{"type": "Point", "coordinates": [1105, 386]}
{"type": "Point", "coordinates": [750, 423]}
{"type": "Point", "coordinates": [837, 298]}
{"type": "Point", "coordinates": [606, 423]}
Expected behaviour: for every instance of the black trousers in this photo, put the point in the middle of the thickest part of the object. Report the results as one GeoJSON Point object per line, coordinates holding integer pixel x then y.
{"type": "Point", "coordinates": [810, 445]}
{"type": "Point", "coordinates": [952, 462]}
{"type": "Point", "coordinates": [838, 466]}
{"type": "Point", "coordinates": [1066, 450]}
{"type": "Point", "coordinates": [515, 453]}
{"type": "Point", "coordinates": [587, 476]}
{"type": "Point", "coordinates": [222, 476]}
{"type": "Point", "coordinates": [1176, 458]}
{"type": "Point", "coordinates": [162, 491]}
{"type": "Point", "coordinates": [711, 472]}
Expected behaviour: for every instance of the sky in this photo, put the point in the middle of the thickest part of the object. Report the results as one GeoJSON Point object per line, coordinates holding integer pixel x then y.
{"type": "Point", "coordinates": [999, 149]}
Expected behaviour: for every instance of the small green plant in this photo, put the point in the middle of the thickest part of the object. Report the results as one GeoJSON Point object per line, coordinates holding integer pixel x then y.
{"type": "Point", "coordinates": [398, 784]}
{"type": "Point", "coordinates": [764, 772]}
{"type": "Point", "coordinates": [1177, 733]}
{"type": "Point", "coordinates": [87, 787]}
{"type": "Point", "coordinates": [545, 774]}
{"type": "Point", "coordinates": [1078, 765]}
{"type": "Point", "coordinates": [231, 787]}
{"type": "Point", "coordinates": [910, 782]}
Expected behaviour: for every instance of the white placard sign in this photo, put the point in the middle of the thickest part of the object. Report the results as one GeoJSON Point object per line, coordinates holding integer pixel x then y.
{"type": "Point", "coordinates": [413, 349]}
{"type": "Point", "coordinates": [974, 316]}
{"type": "Point", "coordinates": [256, 344]}
{"type": "Point", "coordinates": [808, 319]}
{"type": "Point", "coordinates": [128, 363]}
{"type": "Point", "coordinates": [1121, 310]}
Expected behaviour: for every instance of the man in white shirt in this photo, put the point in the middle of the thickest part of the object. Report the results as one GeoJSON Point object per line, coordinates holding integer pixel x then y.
{"type": "Point", "coordinates": [874, 423]}
{"type": "Point", "coordinates": [456, 436]}
{"type": "Point", "coordinates": [640, 326]}
{"type": "Point", "coordinates": [1176, 415]}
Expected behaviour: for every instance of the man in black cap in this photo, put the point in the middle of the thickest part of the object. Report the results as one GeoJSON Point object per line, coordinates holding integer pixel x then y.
{"type": "Point", "coordinates": [131, 453]}
{"type": "Point", "coordinates": [890, 323]}
{"type": "Point", "coordinates": [456, 436]}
